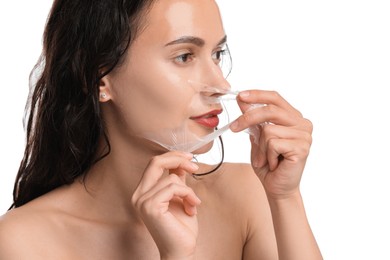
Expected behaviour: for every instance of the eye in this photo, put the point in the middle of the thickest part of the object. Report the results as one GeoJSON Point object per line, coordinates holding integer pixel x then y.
{"type": "Point", "coordinates": [184, 58]}
{"type": "Point", "coordinates": [217, 56]}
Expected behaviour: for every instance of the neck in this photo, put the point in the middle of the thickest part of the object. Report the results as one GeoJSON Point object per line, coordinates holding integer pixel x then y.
{"type": "Point", "coordinates": [112, 181]}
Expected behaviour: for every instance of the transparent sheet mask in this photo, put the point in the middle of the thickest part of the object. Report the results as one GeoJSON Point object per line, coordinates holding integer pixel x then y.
{"type": "Point", "coordinates": [182, 138]}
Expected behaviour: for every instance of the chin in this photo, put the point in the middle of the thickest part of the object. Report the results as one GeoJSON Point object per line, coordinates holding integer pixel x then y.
{"type": "Point", "coordinates": [204, 149]}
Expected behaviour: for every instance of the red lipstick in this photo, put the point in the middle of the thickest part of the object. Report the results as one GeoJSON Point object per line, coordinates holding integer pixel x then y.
{"type": "Point", "coordinates": [209, 119]}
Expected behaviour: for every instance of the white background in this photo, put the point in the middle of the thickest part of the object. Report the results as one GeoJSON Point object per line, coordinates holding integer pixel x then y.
{"type": "Point", "coordinates": [330, 59]}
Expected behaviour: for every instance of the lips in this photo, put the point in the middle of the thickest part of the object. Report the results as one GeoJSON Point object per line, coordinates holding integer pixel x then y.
{"type": "Point", "coordinates": [209, 119]}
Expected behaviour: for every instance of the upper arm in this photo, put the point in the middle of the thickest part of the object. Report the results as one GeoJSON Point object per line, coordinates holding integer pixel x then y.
{"type": "Point", "coordinates": [260, 236]}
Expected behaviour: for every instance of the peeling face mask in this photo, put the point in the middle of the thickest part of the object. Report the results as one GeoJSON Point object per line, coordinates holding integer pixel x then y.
{"type": "Point", "coordinates": [183, 139]}
{"type": "Point", "coordinates": [216, 119]}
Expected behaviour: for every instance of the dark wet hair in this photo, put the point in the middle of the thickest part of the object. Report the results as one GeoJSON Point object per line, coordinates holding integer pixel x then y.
{"type": "Point", "coordinates": [84, 40]}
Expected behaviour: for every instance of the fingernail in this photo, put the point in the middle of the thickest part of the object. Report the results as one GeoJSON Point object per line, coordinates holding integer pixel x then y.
{"type": "Point", "coordinates": [194, 166]}
{"type": "Point", "coordinates": [234, 125]}
{"type": "Point", "coordinates": [256, 163]}
{"type": "Point", "coordinates": [244, 94]}
{"type": "Point", "coordinates": [188, 155]}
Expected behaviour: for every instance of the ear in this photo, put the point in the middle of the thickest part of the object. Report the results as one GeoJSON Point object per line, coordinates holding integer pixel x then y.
{"type": "Point", "coordinates": [104, 89]}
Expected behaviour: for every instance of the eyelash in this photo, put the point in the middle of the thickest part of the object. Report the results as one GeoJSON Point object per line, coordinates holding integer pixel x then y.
{"type": "Point", "coordinates": [183, 58]}
{"type": "Point", "coordinates": [219, 54]}
{"type": "Point", "coordinates": [180, 58]}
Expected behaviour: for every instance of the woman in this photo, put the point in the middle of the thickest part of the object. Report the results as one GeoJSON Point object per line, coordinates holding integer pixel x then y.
{"type": "Point", "coordinates": [91, 186]}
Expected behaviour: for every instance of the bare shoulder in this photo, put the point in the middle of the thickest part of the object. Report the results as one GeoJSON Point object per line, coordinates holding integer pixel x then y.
{"type": "Point", "coordinates": [25, 231]}
{"type": "Point", "coordinates": [17, 232]}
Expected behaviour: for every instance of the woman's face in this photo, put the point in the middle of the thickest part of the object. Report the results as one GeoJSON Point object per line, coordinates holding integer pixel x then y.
{"type": "Point", "coordinates": [157, 90]}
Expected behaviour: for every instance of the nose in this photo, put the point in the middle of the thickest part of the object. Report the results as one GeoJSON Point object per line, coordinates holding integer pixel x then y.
{"type": "Point", "coordinates": [214, 77]}
{"type": "Point", "coordinates": [213, 83]}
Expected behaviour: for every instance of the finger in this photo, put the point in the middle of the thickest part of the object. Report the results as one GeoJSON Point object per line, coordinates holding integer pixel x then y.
{"type": "Point", "coordinates": [292, 151]}
{"type": "Point", "coordinates": [271, 114]}
{"type": "Point", "coordinates": [158, 203]}
{"type": "Point", "coordinates": [244, 107]}
{"type": "Point", "coordinates": [258, 152]}
{"type": "Point", "coordinates": [270, 132]}
{"type": "Point", "coordinates": [266, 97]}
{"type": "Point", "coordinates": [159, 185]}
{"type": "Point", "coordinates": [167, 161]}
{"type": "Point", "coordinates": [180, 173]}
{"type": "Point", "coordinates": [190, 209]}
{"type": "Point", "coordinates": [276, 131]}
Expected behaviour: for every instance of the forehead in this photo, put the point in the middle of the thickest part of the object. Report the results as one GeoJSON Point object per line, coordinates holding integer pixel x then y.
{"type": "Point", "coordinates": [171, 19]}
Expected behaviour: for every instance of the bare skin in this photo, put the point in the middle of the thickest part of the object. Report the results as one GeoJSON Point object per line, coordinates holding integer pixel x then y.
{"type": "Point", "coordinates": [141, 202]}
{"type": "Point", "coordinates": [70, 223]}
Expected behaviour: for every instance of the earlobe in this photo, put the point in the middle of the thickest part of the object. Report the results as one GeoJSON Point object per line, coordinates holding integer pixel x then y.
{"type": "Point", "coordinates": [102, 96]}
{"type": "Point", "coordinates": [104, 90]}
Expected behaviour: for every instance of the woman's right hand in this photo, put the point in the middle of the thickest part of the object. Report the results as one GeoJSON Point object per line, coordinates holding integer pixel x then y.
{"type": "Point", "coordinates": [167, 205]}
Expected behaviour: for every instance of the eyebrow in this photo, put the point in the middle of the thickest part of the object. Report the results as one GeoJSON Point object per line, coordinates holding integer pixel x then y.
{"type": "Point", "coordinates": [194, 40]}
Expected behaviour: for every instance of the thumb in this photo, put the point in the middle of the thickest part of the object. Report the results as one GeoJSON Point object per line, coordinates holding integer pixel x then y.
{"type": "Point", "coordinates": [243, 105]}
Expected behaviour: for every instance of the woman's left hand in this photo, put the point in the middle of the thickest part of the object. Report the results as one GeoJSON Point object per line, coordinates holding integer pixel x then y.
{"type": "Point", "coordinates": [282, 142]}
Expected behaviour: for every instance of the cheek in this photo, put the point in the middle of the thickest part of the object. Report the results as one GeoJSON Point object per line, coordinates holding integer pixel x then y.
{"type": "Point", "coordinates": [152, 102]}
